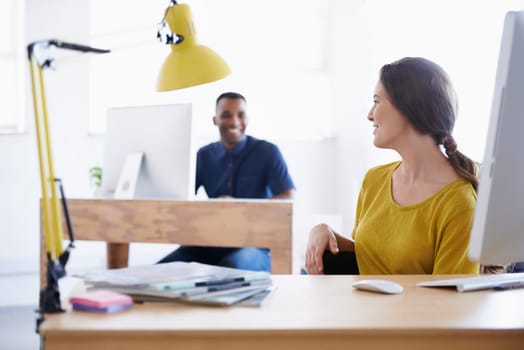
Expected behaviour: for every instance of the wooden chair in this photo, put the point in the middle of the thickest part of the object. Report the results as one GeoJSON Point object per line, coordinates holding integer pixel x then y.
{"type": "Point", "coordinates": [221, 223]}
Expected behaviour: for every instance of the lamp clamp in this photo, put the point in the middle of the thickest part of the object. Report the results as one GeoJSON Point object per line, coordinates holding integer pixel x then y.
{"type": "Point", "coordinates": [164, 33]}
{"type": "Point", "coordinates": [165, 36]}
{"type": "Point", "coordinates": [43, 53]}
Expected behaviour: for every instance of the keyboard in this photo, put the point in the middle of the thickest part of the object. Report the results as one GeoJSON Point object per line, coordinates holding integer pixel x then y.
{"type": "Point", "coordinates": [466, 284]}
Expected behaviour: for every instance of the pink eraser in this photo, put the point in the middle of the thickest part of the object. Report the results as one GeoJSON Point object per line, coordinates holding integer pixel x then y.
{"type": "Point", "coordinates": [101, 298]}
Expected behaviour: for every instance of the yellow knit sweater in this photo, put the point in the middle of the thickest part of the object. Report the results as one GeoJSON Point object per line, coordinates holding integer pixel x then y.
{"type": "Point", "coordinates": [430, 237]}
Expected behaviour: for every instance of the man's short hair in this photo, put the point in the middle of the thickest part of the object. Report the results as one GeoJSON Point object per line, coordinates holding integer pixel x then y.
{"type": "Point", "coordinates": [230, 95]}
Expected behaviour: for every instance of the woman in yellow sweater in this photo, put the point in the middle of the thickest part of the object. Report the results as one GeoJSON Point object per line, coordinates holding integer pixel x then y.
{"type": "Point", "coordinates": [413, 216]}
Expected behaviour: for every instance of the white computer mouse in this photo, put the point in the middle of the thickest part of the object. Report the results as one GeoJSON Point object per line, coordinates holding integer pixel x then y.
{"type": "Point", "coordinates": [378, 286]}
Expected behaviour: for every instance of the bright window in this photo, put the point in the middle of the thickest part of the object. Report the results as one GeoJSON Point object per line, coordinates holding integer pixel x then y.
{"type": "Point", "coordinates": [12, 64]}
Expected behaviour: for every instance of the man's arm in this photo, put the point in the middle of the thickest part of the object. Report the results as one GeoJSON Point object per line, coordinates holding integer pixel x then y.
{"type": "Point", "coordinates": [287, 194]}
{"type": "Point", "coordinates": [280, 181]}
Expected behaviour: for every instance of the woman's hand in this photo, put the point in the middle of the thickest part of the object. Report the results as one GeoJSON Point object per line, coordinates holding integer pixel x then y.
{"type": "Point", "coordinates": [321, 238]}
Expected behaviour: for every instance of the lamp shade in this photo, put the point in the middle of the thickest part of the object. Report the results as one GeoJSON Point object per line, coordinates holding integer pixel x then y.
{"type": "Point", "coordinates": [189, 63]}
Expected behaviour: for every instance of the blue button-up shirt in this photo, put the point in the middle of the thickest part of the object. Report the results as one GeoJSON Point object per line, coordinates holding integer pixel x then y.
{"type": "Point", "coordinates": [252, 169]}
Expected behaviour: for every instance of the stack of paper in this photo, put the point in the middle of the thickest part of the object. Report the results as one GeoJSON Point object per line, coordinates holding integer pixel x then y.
{"type": "Point", "coordinates": [181, 281]}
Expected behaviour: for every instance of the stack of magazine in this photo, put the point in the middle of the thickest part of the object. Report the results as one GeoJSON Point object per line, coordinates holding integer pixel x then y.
{"type": "Point", "coordinates": [184, 282]}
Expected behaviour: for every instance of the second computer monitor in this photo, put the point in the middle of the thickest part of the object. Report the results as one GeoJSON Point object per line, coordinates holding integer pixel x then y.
{"type": "Point", "coordinates": [149, 149]}
{"type": "Point", "coordinates": [498, 228]}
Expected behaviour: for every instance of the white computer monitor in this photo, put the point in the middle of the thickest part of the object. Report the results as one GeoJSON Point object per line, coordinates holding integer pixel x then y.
{"type": "Point", "coordinates": [497, 236]}
{"type": "Point", "coordinates": [147, 152]}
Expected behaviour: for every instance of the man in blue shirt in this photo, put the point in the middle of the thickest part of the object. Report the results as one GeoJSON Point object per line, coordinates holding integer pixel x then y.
{"type": "Point", "coordinates": [237, 166]}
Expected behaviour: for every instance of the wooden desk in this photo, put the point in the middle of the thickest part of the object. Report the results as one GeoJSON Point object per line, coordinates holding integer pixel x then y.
{"type": "Point", "coordinates": [308, 312]}
{"type": "Point", "coordinates": [221, 223]}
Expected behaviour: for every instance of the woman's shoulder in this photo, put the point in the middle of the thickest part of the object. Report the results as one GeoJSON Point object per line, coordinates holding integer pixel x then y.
{"type": "Point", "coordinates": [382, 170]}
{"type": "Point", "coordinates": [459, 194]}
{"type": "Point", "coordinates": [379, 174]}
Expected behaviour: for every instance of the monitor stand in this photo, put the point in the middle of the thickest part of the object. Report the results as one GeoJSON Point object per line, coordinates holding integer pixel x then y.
{"type": "Point", "coordinates": [126, 185]}
{"type": "Point", "coordinates": [118, 253]}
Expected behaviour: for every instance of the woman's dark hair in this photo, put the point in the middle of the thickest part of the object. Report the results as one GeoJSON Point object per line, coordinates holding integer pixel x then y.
{"type": "Point", "coordinates": [421, 91]}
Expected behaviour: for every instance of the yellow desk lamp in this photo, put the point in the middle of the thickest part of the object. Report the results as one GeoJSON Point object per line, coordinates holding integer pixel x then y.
{"type": "Point", "coordinates": [188, 64]}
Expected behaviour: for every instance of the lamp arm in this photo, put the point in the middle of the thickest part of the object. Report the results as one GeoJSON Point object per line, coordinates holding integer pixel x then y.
{"type": "Point", "coordinates": [76, 47]}
{"type": "Point", "coordinates": [40, 57]}
{"type": "Point", "coordinates": [49, 300]}
{"type": "Point", "coordinates": [41, 50]}
{"type": "Point", "coordinates": [64, 257]}
{"type": "Point", "coordinates": [51, 217]}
